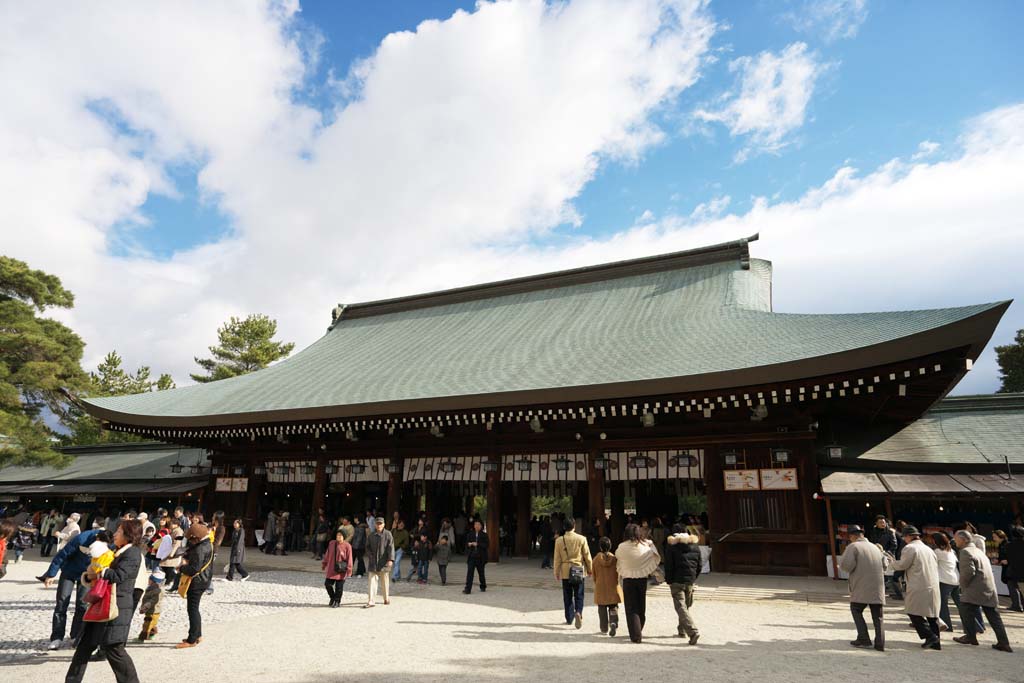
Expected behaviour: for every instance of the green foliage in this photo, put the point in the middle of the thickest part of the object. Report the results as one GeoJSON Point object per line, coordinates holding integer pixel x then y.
{"type": "Point", "coordinates": [110, 379]}
{"type": "Point", "coordinates": [548, 505]}
{"type": "Point", "coordinates": [1011, 365]}
{"type": "Point", "coordinates": [40, 359]}
{"type": "Point", "coordinates": [244, 346]}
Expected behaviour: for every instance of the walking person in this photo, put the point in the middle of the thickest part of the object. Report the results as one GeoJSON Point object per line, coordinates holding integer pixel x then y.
{"type": "Point", "coordinates": [71, 561]}
{"type": "Point", "coordinates": [866, 566]}
{"type": "Point", "coordinates": [380, 557]}
{"type": "Point", "coordinates": [978, 593]}
{"type": "Point", "coordinates": [219, 531]}
{"type": "Point", "coordinates": [682, 567]}
{"type": "Point", "coordinates": [547, 543]}
{"type": "Point", "coordinates": [1013, 569]}
{"type": "Point", "coordinates": [111, 636]}
{"type": "Point", "coordinates": [607, 593]}
{"type": "Point", "coordinates": [443, 555]}
{"type": "Point", "coordinates": [237, 557]}
{"type": "Point", "coordinates": [401, 540]}
{"type": "Point", "coordinates": [7, 531]}
{"type": "Point", "coordinates": [172, 549]}
{"type": "Point", "coordinates": [922, 597]}
{"type": "Point", "coordinates": [47, 528]}
{"type": "Point", "coordinates": [637, 559]}
{"type": "Point", "coordinates": [359, 532]}
{"type": "Point", "coordinates": [337, 566]}
{"type": "Point", "coordinates": [70, 530]}
{"type": "Point", "coordinates": [477, 544]}
{"type": "Point", "coordinates": [572, 565]}
{"type": "Point", "coordinates": [196, 565]}
{"type": "Point", "coordinates": [949, 578]}
{"type": "Point", "coordinates": [150, 605]}
{"type": "Point", "coordinates": [320, 535]}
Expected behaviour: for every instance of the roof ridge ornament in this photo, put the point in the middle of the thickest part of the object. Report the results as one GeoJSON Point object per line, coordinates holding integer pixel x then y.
{"type": "Point", "coordinates": [336, 314]}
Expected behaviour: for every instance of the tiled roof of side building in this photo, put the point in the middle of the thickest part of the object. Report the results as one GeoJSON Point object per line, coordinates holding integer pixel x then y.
{"type": "Point", "coordinates": [682, 322]}
{"type": "Point", "coordinates": [962, 430]}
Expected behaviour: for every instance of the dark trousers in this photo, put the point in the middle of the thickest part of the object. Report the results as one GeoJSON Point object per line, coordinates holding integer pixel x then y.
{"type": "Point", "coordinates": [634, 594]}
{"type": "Point", "coordinates": [971, 614]}
{"type": "Point", "coordinates": [572, 598]}
{"type": "Point", "coordinates": [897, 582]}
{"type": "Point", "coordinates": [1016, 596]}
{"type": "Point", "coordinates": [608, 615]}
{"type": "Point", "coordinates": [236, 566]}
{"type": "Point", "coordinates": [857, 608]}
{"type": "Point", "coordinates": [48, 543]}
{"type": "Point", "coordinates": [948, 591]}
{"type": "Point", "coordinates": [66, 587]}
{"type": "Point", "coordinates": [925, 631]}
{"type": "Point", "coordinates": [476, 564]}
{"type": "Point", "coordinates": [120, 663]}
{"type": "Point", "coordinates": [335, 589]}
{"type": "Point", "coordinates": [195, 620]}
{"type": "Point", "coordinates": [360, 554]}
{"type": "Point", "coordinates": [172, 576]}
{"type": "Point", "coordinates": [442, 569]}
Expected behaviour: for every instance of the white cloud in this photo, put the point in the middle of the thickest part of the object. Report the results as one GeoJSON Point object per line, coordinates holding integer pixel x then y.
{"type": "Point", "coordinates": [925, 149]}
{"type": "Point", "coordinates": [770, 100]}
{"type": "Point", "coordinates": [830, 19]}
{"type": "Point", "coordinates": [463, 140]}
{"type": "Point", "coordinates": [476, 130]}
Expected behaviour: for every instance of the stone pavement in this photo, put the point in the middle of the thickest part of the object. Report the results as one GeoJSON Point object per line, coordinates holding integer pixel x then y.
{"type": "Point", "coordinates": [276, 627]}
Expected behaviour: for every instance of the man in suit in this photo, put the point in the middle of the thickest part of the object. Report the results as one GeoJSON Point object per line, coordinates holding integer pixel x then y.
{"type": "Point", "coordinates": [476, 556]}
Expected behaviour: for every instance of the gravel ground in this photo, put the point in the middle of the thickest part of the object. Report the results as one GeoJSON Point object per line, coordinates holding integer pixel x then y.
{"type": "Point", "coordinates": [275, 628]}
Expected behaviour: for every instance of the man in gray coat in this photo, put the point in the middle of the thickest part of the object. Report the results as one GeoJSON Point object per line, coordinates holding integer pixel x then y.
{"type": "Point", "coordinates": [380, 558]}
{"type": "Point", "coordinates": [978, 592]}
{"type": "Point", "coordinates": [866, 565]}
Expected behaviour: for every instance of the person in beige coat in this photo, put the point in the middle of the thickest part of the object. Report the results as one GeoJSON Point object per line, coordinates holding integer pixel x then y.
{"type": "Point", "coordinates": [866, 565]}
{"type": "Point", "coordinates": [923, 596]}
{"type": "Point", "coordinates": [571, 550]}
{"type": "Point", "coordinates": [607, 592]}
{"type": "Point", "coordinates": [978, 592]}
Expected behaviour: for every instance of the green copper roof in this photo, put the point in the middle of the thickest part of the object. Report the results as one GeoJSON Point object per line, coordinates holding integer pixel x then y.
{"type": "Point", "coordinates": [146, 461]}
{"type": "Point", "coordinates": [968, 430]}
{"type": "Point", "coordinates": [680, 322]}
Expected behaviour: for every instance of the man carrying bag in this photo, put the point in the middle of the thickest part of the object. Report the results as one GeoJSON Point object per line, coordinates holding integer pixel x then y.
{"type": "Point", "coordinates": [572, 566]}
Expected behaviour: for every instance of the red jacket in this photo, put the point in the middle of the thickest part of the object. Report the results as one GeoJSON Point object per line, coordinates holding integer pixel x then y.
{"type": "Point", "coordinates": [337, 554]}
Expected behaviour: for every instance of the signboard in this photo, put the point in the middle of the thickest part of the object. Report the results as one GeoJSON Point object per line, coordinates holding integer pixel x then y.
{"type": "Point", "coordinates": [781, 479]}
{"type": "Point", "coordinates": [741, 480]}
{"type": "Point", "coordinates": [232, 484]}
{"type": "Point", "coordinates": [83, 498]}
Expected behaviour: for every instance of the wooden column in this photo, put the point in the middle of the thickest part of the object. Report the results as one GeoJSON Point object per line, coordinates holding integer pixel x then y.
{"type": "Point", "coordinates": [888, 509]}
{"type": "Point", "coordinates": [809, 482]}
{"type": "Point", "coordinates": [493, 516]}
{"type": "Point", "coordinates": [595, 490]}
{"type": "Point", "coordinates": [831, 538]}
{"type": "Point", "coordinates": [254, 490]}
{"type": "Point", "coordinates": [618, 495]}
{"type": "Point", "coordinates": [523, 518]}
{"type": "Point", "coordinates": [319, 489]}
{"type": "Point", "coordinates": [718, 520]}
{"type": "Point", "coordinates": [394, 493]}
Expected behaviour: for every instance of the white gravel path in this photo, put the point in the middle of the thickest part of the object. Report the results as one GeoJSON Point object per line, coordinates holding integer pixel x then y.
{"type": "Point", "coordinates": [260, 631]}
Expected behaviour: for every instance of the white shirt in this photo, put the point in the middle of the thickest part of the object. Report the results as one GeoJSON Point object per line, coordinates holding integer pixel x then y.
{"type": "Point", "coordinates": [946, 561]}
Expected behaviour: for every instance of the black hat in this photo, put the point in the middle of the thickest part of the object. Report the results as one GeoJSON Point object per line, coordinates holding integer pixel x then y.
{"type": "Point", "coordinates": [855, 529]}
{"type": "Point", "coordinates": [909, 530]}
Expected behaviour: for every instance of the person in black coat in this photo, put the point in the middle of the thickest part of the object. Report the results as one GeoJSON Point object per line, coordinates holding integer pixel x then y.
{"type": "Point", "coordinates": [476, 556]}
{"type": "Point", "coordinates": [197, 564]}
{"type": "Point", "coordinates": [110, 637]}
{"type": "Point", "coordinates": [1012, 552]}
{"type": "Point", "coordinates": [682, 567]}
{"type": "Point", "coordinates": [237, 552]}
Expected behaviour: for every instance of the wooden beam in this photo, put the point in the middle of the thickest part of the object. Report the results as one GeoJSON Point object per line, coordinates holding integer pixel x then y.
{"type": "Point", "coordinates": [493, 516]}
{"type": "Point", "coordinates": [832, 538]}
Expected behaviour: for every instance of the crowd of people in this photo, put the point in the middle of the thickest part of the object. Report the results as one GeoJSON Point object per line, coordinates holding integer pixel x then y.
{"type": "Point", "coordinates": [928, 572]}
{"type": "Point", "coordinates": [173, 553]}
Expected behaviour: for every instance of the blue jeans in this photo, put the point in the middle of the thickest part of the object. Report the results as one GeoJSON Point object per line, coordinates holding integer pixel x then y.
{"type": "Point", "coordinates": [423, 568]}
{"type": "Point", "coordinates": [396, 572]}
{"type": "Point", "coordinates": [66, 587]}
{"type": "Point", "coordinates": [572, 596]}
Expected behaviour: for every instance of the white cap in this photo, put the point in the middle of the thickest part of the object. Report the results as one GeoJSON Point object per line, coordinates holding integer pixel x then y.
{"type": "Point", "coordinates": [97, 549]}
{"type": "Point", "coordinates": [142, 517]}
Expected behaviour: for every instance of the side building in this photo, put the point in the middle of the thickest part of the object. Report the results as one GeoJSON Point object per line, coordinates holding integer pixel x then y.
{"type": "Point", "coordinates": [659, 381]}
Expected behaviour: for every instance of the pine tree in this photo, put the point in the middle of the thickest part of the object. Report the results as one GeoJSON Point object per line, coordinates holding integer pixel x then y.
{"type": "Point", "coordinates": [1011, 365]}
{"type": "Point", "coordinates": [244, 346]}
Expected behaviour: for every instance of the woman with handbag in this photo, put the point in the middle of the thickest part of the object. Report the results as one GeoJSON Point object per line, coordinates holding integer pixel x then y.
{"type": "Point", "coordinates": [194, 577]}
{"type": "Point", "coordinates": [237, 552]}
{"type": "Point", "coordinates": [636, 559]}
{"type": "Point", "coordinates": [110, 636]}
{"type": "Point", "coordinates": [337, 566]}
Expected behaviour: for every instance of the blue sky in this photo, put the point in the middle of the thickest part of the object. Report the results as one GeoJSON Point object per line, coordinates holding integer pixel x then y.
{"type": "Point", "coordinates": [179, 163]}
{"type": "Point", "coordinates": [912, 72]}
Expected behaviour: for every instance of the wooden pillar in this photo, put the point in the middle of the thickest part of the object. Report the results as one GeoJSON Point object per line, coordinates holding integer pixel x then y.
{"type": "Point", "coordinates": [493, 516]}
{"type": "Point", "coordinates": [618, 495]}
{"type": "Point", "coordinates": [831, 538]}
{"type": "Point", "coordinates": [595, 490]}
{"type": "Point", "coordinates": [888, 509]}
{"type": "Point", "coordinates": [523, 518]}
{"type": "Point", "coordinates": [718, 520]}
{"type": "Point", "coordinates": [253, 491]}
{"type": "Point", "coordinates": [319, 489]}
{"type": "Point", "coordinates": [808, 469]}
{"type": "Point", "coordinates": [394, 493]}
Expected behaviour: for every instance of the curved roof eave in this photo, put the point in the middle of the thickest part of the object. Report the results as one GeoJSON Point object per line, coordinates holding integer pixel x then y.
{"type": "Point", "coordinates": [972, 332]}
